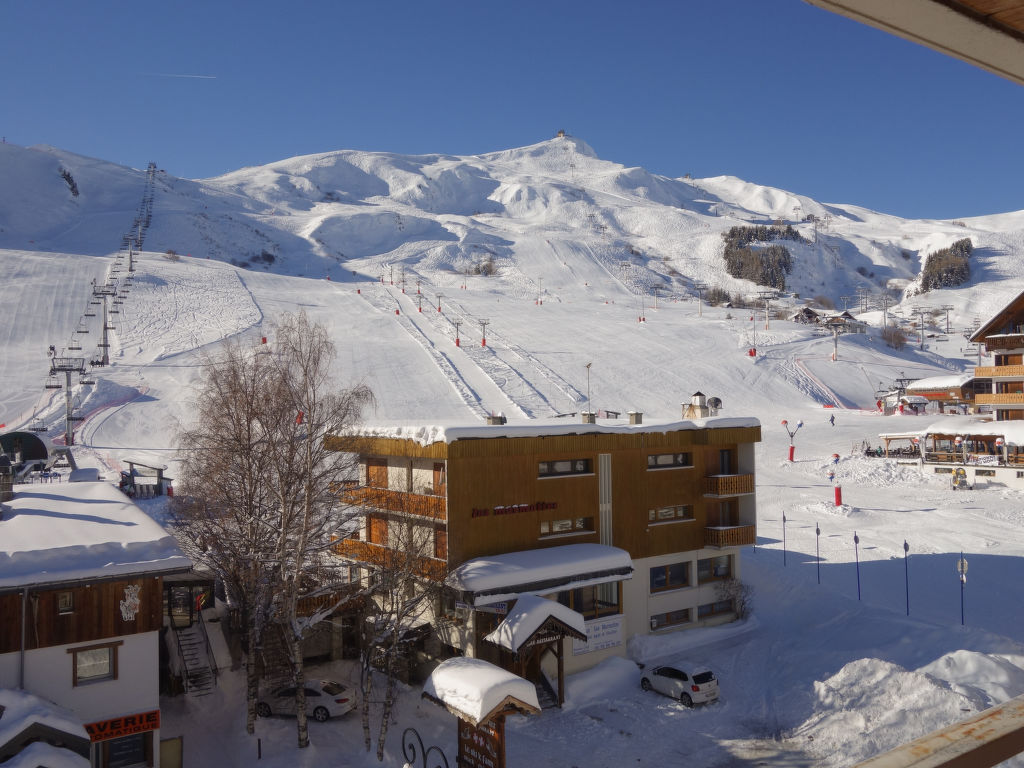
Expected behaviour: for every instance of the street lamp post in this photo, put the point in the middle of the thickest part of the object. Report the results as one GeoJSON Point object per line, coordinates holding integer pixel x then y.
{"type": "Point", "coordinates": [791, 433]}
{"type": "Point", "coordinates": [856, 554]}
{"type": "Point", "coordinates": [817, 549]}
{"type": "Point", "coordinates": [783, 539]}
{"type": "Point", "coordinates": [906, 572]}
{"type": "Point", "coordinates": [961, 568]}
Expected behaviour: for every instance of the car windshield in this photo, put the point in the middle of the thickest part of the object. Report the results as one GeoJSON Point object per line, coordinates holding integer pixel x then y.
{"type": "Point", "coordinates": [703, 677]}
{"type": "Point", "coordinates": [333, 689]}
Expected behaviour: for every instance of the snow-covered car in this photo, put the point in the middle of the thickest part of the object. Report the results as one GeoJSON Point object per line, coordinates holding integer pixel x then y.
{"type": "Point", "coordinates": [324, 699]}
{"type": "Point", "coordinates": [689, 689]}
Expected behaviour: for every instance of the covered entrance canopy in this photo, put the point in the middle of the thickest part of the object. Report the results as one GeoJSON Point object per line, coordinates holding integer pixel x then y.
{"type": "Point", "coordinates": [533, 627]}
{"type": "Point", "coordinates": [498, 578]}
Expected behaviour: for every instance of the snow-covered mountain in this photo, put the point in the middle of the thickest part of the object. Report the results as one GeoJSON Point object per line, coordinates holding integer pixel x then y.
{"type": "Point", "coordinates": [551, 213]}
{"type": "Point", "coordinates": [555, 255]}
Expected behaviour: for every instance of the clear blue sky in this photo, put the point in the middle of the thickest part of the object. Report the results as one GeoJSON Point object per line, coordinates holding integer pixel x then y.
{"type": "Point", "coordinates": [773, 91]}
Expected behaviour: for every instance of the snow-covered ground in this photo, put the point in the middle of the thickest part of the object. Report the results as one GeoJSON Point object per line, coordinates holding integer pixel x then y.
{"type": "Point", "coordinates": [822, 673]}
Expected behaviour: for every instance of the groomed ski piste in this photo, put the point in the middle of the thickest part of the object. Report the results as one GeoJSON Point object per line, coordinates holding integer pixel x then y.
{"type": "Point", "coordinates": [821, 674]}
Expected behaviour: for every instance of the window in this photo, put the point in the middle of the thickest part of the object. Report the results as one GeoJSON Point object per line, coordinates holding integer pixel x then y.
{"type": "Point", "coordinates": [712, 609]}
{"type": "Point", "coordinates": [595, 601]}
{"type": "Point", "coordinates": [565, 467]}
{"type": "Point", "coordinates": [94, 663]}
{"type": "Point", "coordinates": [671, 576]}
{"type": "Point", "coordinates": [984, 473]}
{"type": "Point", "coordinates": [65, 603]}
{"type": "Point", "coordinates": [726, 461]}
{"type": "Point", "coordinates": [670, 514]}
{"type": "Point", "coordinates": [670, 619]}
{"type": "Point", "coordinates": [714, 568]}
{"type": "Point", "coordinates": [669, 460]}
{"type": "Point", "coordinates": [566, 525]}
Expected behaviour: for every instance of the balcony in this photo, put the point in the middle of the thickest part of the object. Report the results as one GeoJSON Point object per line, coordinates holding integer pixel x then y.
{"type": "Point", "coordinates": [378, 556]}
{"type": "Point", "coordinates": [728, 485]}
{"type": "Point", "coordinates": [433, 507]}
{"type": "Point", "coordinates": [999, 371]}
{"type": "Point", "coordinates": [730, 536]}
{"type": "Point", "coordinates": [1006, 398]}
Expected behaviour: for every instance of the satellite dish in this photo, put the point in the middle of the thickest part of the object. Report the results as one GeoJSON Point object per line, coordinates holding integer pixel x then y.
{"type": "Point", "coordinates": [715, 402]}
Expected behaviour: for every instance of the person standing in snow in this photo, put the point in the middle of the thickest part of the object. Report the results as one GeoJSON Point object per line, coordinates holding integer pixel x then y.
{"type": "Point", "coordinates": [832, 419]}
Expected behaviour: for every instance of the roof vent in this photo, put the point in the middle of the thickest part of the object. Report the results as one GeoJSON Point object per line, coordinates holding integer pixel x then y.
{"type": "Point", "coordinates": [635, 417]}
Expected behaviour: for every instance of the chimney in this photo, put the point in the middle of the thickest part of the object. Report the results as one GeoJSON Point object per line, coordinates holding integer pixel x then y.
{"type": "Point", "coordinates": [495, 420]}
{"type": "Point", "coordinates": [589, 417]}
{"type": "Point", "coordinates": [636, 417]}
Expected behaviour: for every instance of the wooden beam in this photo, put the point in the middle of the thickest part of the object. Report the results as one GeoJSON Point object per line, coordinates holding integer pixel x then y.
{"type": "Point", "coordinates": [987, 739]}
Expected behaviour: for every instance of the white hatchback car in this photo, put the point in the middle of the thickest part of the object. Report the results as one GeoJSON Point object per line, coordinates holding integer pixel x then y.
{"type": "Point", "coordinates": [324, 699]}
{"type": "Point", "coordinates": [689, 689]}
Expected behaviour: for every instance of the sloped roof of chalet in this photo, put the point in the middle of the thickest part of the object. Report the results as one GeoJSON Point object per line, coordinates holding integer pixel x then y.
{"type": "Point", "coordinates": [1014, 310]}
{"type": "Point", "coordinates": [26, 716]}
{"type": "Point", "coordinates": [529, 615]}
{"type": "Point", "coordinates": [940, 383]}
{"type": "Point", "coordinates": [57, 533]}
{"type": "Point", "coordinates": [1011, 431]}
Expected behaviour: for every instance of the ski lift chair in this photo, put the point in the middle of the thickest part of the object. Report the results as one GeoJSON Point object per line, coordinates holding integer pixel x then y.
{"type": "Point", "coordinates": [52, 382]}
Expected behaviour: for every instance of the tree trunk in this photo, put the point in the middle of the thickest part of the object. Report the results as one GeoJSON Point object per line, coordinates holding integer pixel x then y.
{"type": "Point", "coordinates": [367, 690]}
{"type": "Point", "coordinates": [385, 718]}
{"type": "Point", "coordinates": [300, 690]}
{"type": "Point", "coordinates": [251, 682]}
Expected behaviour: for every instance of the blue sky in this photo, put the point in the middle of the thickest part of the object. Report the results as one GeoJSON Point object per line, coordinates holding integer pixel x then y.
{"type": "Point", "coordinates": [776, 92]}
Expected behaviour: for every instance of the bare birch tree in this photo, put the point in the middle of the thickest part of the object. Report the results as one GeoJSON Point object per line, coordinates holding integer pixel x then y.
{"type": "Point", "coordinates": [260, 505]}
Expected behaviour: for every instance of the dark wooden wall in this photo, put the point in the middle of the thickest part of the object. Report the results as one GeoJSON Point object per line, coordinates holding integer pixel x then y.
{"type": "Point", "coordinates": [96, 614]}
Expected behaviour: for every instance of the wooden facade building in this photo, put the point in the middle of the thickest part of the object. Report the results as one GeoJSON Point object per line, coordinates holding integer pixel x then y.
{"type": "Point", "coordinates": [662, 509]}
{"type": "Point", "coordinates": [81, 609]}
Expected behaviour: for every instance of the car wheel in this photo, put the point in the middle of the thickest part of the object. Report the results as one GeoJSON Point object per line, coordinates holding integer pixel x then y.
{"type": "Point", "coordinates": [263, 709]}
{"type": "Point", "coordinates": [320, 714]}
{"type": "Point", "coordinates": [645, 684]}
{"type": "Point", "coordinates": [685, 700]}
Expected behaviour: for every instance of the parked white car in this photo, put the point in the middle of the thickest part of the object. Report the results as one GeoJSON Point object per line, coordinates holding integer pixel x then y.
{"type": "Point", "coordinates": [324, 699]}
{"type": "Point", "coordinates": [689, 689]}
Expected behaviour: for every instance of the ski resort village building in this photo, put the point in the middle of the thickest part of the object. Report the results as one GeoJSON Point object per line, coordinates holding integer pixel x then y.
{"type": "Point", "coordinates": [975, 449]}
{"type": "Point", "coordinates": [81, 606]}
{"type": "Point", "coordinates": [627, 528]}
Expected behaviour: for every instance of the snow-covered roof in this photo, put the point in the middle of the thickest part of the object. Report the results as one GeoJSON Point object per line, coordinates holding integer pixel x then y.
{"type": "Point", "coordinates": [939, 383]}
{"type": "Point", "coordinates": [21, 710]}
{"type": "Point", "coordinates": [492, 579]}
{"type": "Point", "coordinates": [527, 616]}
{"type": "Point", "coordinates": [428, 433]}
{"type": "Point", "coordinates": [1011, 431]}
{"type": "Point", "coordinates": [474, 689]}
{"type": "Point", "coordinates": [60, 532]}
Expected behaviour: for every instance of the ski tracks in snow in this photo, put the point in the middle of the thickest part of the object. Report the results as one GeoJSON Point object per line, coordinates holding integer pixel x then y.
{"type": "Point", "coordinates": [483, 376]}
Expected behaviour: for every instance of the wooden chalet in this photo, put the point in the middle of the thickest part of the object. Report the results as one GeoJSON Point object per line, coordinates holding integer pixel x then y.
{"type": "Point", "coordinates": [1003, 337]}
{"type": "Point", "coordinates": [81, 610]}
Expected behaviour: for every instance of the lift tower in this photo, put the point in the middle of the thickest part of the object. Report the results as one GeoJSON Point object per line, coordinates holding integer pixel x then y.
{"type": "Point", "coordinates": [67, 366]}
{"type": "Point", "coordinates": [104, 292]}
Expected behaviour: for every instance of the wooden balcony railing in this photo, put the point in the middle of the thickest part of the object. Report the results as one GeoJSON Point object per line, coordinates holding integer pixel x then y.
{"type": "Point", "coordinates": [998, 371]}
{"type": "Point", "coordinates": [378, 556]}
{"type": "Point", "coordinates": [434, 507]}
{"type": "Point", "coordinates": [1004, 341]}
{"type": "Point", "coordinates": [728, 485]}
{"type": "Point", "coordinates": [1006, 398]}
{"type": "Point", "coordinates": [730, 536]}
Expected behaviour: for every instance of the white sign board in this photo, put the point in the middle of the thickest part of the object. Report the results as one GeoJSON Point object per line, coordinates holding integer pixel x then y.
{"type": "Point", "coordinates": [601, 633]}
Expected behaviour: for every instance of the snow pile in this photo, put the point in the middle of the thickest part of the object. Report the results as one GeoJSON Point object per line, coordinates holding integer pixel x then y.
{"type": "Point", "coordinates": [870, 706]}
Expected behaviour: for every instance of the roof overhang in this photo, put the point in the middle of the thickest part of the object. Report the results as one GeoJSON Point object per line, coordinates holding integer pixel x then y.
{"type": "Point", "coordinates": [488, 580]}
{"type": "Point", "coordinates": [986, 33]}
